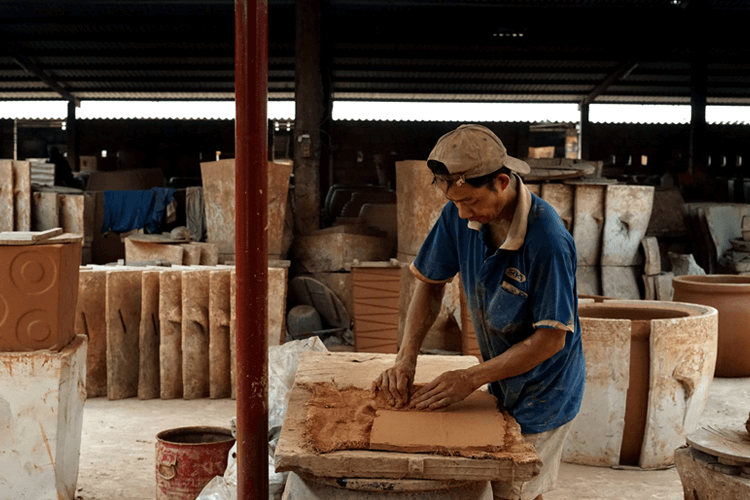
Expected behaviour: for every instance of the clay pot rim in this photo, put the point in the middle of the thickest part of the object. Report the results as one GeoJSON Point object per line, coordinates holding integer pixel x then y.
{"type": "Point", "coordinates": [714, 283]}
{"type": "Point", "coordinates": [683, 309]}
{"type": "Point", "coordinates": [222, 434]}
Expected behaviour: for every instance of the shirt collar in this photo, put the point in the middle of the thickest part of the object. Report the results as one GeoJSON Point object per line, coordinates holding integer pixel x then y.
{"type": "Point", "coordinates": [519, 224]}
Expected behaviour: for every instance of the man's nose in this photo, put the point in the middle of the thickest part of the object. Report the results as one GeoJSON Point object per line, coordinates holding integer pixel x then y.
{"type": "Point", "coordinates": [463, 211]}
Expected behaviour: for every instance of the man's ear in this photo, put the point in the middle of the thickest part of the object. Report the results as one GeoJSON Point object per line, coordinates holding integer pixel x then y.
{"type": "Point", "coordinates": [503, 180]}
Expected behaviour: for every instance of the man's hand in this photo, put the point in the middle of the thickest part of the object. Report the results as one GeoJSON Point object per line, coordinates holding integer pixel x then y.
{"type": "Point", "coordinates": [396, 383]}
{"type": "Point", "coordinates": [447, 389]}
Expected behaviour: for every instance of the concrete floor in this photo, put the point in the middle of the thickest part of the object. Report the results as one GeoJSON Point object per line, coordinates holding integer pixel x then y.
{"type": "Point", "coordinates": [118, 448]}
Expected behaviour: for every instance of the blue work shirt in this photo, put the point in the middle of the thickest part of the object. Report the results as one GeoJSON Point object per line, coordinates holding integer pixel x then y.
{"type": "Point", "coordinates": [528, 283]}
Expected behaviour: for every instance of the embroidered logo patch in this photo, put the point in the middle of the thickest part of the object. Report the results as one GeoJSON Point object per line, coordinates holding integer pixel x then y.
{"type": "Point", "coordinates": [515, 274]}
{"type": "Point", "coordinates": [515, 291]}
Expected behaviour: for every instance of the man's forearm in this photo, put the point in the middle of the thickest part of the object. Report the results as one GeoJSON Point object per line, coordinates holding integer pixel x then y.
{"type": "Point", "coordinates": [520, 358]}
{"type": "Point", "coordinates": [423, 311]}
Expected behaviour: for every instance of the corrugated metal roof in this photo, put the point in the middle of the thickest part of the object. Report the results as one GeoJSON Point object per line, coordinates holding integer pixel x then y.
{"type": "Point", "coordinates": [471, 50]}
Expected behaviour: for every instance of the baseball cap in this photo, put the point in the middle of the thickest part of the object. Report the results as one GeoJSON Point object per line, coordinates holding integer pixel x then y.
{"type": "Point", "coordinates": [473, 151]}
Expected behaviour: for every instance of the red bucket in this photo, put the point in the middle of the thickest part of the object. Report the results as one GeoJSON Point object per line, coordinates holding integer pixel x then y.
{"type": "Point", "coordinates": [188, 458]}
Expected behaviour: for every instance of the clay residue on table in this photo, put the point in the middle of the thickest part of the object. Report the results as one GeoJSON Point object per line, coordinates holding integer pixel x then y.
{"type": "Point", "coordinates": [338, 419]}
{"type": "Point", "coordinates": [342, 419]}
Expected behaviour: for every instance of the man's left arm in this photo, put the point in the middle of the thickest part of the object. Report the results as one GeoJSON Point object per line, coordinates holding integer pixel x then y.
{"type": "Point", "coordinates": [454, 386]}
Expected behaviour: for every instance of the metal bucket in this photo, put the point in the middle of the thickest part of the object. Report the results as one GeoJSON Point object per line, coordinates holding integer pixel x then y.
{"type": "Point", "coordinates": [187, 458]}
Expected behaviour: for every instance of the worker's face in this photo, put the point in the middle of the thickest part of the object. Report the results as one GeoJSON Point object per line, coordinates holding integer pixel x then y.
{"type": "Point", "coordinates": [479, 204]}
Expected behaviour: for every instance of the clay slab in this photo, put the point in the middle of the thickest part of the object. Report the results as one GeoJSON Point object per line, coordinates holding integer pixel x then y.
{"type": "Point", "coordinates": [474, 424]}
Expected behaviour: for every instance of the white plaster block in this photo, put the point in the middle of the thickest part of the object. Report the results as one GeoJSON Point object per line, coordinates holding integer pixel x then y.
{"type": "Point", "coordinates": [42, 394]}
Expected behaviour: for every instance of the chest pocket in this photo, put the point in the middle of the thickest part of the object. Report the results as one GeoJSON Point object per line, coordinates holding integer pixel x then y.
{"type": "Point", "coordinates": [506, 314]}
{"type": "Point", "coordinates": [513, 290]}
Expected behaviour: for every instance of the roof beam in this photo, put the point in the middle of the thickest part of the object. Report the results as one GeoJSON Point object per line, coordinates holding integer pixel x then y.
{"type": "Point", "coordinates": [32, 68]}
{"type": "Point", "coordinates": [621, 72]}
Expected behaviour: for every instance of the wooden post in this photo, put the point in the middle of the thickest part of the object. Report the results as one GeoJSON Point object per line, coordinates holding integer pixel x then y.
{"type": "Point", "coordinates": [699, 87]}
{"type": "Point", "coordinates": [312, 106]}
{"type": "Point", "coordinates": [71, 127]}
{"type": "Point", "coordinates": [584, 133]}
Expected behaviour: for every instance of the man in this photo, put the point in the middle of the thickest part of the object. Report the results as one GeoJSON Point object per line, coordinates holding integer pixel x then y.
{"type": "Point", "coordinates": [517, 263]}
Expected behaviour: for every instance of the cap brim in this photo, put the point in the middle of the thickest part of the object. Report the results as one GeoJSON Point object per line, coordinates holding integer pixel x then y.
{"type": "Point", "coordinates": [516, 165]}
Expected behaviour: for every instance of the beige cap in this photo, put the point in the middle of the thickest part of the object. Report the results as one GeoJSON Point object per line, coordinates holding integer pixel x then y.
{"type": "Point", "coordinates": [473, 151]}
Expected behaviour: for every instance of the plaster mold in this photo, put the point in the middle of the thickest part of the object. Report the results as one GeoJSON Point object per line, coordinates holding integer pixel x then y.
{"type": "Point", "coordinates": [627, 212]}
{"type": "Point", "coordinates": [170, 334]}
{"type": "Point", "coordinates": [624, 419]}
{"type": "Point", "coordinates": [42, 394]}
{"type": "Point", "coordinates": [148, 375]}
{"type": "Point", "coordinates": [219, 198]}
{"type": "Point", "coordinates": [123, 312]}
{"type": "Point", "coordinates": [195, 333]}
{"type": "Point", "coordinates": [418, 204]}
{"type": "Point", "coordinates": [6, 195]}
{"type": "Point", "coordinates": [22, 195]}
{"type": "Point", "coordinates": [588, 223]}
{"type": "Point", "coordinates": [561, 197]}
{"type": "Point", "coordinates": [38, 295]}
{"type": "Point", "coordinates": [91, 322]}
{"type": "Point", "coordinates": [45, 210]}
{"type": "Point", "coordinates": [278, 286]}
{"type": "Point", "coordinates": [220, 384]}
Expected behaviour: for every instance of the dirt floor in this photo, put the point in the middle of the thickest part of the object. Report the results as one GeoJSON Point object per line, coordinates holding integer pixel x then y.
{"type": "Point", "coordinates": [119, 437]}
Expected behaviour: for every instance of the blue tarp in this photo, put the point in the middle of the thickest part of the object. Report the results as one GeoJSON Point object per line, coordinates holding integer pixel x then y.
{"type": "Point", "coordinates": [140, 209]}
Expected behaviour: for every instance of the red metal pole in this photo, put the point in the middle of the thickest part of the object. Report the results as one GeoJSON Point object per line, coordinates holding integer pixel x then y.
{"type": "Point", "coordinates": [251, 167]}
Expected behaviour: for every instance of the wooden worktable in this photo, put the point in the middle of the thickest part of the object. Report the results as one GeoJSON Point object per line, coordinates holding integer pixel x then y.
{"type": "Point", "coordinates": [293, 453]}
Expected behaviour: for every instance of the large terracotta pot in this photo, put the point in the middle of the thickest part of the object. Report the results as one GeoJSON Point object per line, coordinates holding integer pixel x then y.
{"type": "Point", "coordinates": [730, 295]}
{"type": "Point", "coordinates": [649, 366]}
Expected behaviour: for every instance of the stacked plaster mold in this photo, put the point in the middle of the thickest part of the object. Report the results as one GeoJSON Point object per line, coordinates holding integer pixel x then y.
{"type": "Point", "coordinates": [43, 367]}
{"type": "Point", "coordinates": [166, 332]}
